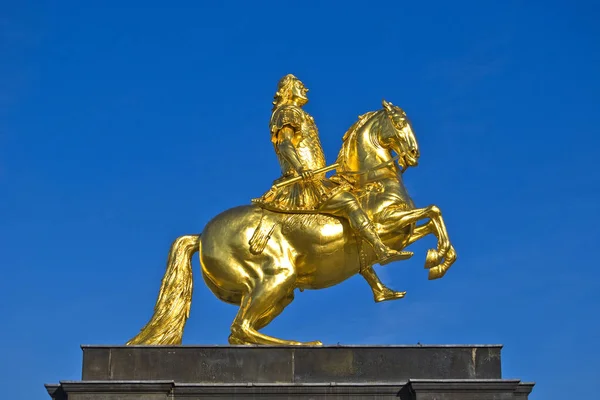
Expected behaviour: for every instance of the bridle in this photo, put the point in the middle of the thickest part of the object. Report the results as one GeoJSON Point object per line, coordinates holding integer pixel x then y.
{"type": "Point", "coordinates": [383, 164]}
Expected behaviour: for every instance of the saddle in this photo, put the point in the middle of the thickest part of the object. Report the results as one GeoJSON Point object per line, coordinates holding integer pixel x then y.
{"type": "Point", "coordinates": [265, 229]}
{"type": "Point", "coordinates": [292, 221]}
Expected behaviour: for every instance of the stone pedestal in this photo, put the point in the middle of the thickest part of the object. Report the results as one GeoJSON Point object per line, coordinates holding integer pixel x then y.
{"type": "Point", "coordinates": [470, 372]}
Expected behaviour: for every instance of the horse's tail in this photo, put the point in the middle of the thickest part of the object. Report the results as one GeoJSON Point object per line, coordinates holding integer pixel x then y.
{"type": "Point", "coordinates": [172, 308]}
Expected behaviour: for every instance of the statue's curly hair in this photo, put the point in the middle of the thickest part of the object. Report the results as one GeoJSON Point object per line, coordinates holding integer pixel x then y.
{"type": "Point", "coordinates": [284, 90]}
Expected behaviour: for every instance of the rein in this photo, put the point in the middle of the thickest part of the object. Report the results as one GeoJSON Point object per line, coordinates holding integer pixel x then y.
{"type": "Point", "coordinates": [334, 167]}
{"type": "Point", "coordinates": [383, 164]}
{"type": "Point", "coordinates": [375, 168]}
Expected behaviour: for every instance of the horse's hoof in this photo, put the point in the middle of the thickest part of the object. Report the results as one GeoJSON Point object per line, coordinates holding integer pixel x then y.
{"type": "Point", "coordinates": [432, 258]}
{"type": "Point", "coordinates": [436, 272]}
{"type": "Point", "coordinates": [236, 341]}
{"type": "Point", "coordinates": [313, 343]}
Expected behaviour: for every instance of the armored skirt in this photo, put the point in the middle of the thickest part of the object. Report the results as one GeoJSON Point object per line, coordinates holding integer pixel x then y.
{"type": "Point", "coordinates": [303, 196]}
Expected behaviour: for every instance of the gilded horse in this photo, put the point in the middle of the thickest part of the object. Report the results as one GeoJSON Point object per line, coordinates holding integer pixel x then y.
{"type": "Point", "coordinates": [256, 258]}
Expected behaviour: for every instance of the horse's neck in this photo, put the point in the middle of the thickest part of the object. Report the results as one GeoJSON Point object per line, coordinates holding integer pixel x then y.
{"type": "Point", "coordinates": [367, 157]}
{"type": "Point", "coordinates": [368, 162]}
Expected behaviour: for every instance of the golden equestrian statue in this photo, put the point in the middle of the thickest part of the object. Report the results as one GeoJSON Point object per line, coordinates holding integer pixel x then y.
{"type": "Point", "coordinates": [307, 231]}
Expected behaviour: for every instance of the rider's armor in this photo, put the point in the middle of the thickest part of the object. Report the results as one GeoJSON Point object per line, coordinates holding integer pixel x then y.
{"type": "Point", "coordinates": [293, 132]}
{"type": "Point", "coordinates": [302, 196]}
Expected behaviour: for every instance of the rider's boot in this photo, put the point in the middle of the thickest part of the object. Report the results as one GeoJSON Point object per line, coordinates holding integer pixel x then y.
{"type": "Point", "coordinates": [346, 204]}
{"type": "Point", "coordinates": [385, 255]}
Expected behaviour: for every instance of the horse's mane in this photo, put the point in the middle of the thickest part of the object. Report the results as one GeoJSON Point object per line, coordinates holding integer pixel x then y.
{"type": "Point", "coordinates": [350, 136]}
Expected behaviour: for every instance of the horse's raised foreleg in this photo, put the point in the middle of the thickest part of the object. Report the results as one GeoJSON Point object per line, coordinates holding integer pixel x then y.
{"type": "Point", "coordinates": [269, 295]}
{"type": "Point", "coordinates": [440, 270]}
{"type": "Point", "coordinates": [396, 218]}
{"type": "Point", "coordinates": [380, 291]}
{"type": "Point", "coordinates": [435, 256]}
{"type": "Point", "coordinates": [421, 231]}
{"type": "Point", "coordinates": [435, 272]}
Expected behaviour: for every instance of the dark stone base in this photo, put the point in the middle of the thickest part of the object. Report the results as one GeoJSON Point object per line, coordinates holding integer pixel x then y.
{"type": "Point", "coordinates": [355, 372]}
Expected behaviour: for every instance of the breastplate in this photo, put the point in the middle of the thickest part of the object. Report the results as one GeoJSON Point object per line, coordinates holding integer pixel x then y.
{"type": "Point", "coordinates": [307, 142]}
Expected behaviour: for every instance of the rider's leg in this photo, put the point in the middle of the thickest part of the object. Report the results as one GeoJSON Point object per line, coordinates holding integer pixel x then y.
{"type": "Point", "coordinates": [345, 204]}
{"type": "Point", "coordinates": [380, 291]}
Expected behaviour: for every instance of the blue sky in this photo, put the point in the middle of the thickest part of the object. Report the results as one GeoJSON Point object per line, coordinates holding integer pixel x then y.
{"type": "Point", "coordinates": [123, 126]}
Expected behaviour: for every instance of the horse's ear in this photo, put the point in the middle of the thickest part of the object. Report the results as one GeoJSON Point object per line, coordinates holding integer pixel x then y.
{"type": "Point", "coordinates": [387, 105]}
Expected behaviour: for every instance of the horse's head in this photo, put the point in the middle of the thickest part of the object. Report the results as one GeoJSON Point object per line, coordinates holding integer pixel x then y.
{"type": "Point", "coordinates": [399, 136]}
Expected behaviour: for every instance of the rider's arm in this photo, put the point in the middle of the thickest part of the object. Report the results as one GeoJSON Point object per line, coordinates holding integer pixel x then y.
{"type": "Point", "coordinates": [285, 146]}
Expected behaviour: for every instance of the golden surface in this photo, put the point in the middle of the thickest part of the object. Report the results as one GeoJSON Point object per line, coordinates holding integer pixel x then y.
{"type": "Point", "coordinates": [307, 231]}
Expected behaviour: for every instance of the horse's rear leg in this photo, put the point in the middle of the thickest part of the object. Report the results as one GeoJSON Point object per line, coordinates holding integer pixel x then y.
{"type": "Point", "coordinates": [261, 305]}
{"type": "Point", "coordinates": [274, 311]}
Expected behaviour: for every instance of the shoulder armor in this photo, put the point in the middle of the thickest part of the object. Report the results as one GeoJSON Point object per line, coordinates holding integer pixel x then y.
{"type": "Point", "coordinates": [286, 115]}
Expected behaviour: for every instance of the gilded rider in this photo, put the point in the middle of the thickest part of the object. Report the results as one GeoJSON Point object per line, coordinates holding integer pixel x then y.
{"type": "Point", "coordinates": [296, 140]}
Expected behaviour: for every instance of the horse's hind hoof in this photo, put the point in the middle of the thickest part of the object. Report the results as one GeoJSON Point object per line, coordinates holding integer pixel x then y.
{"type": "Point", "coordinates": [236, 341]}
{"type": "Point", "coordinates": [432, 258]}
{"type": "Point", "coordinates": [313, 343]}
